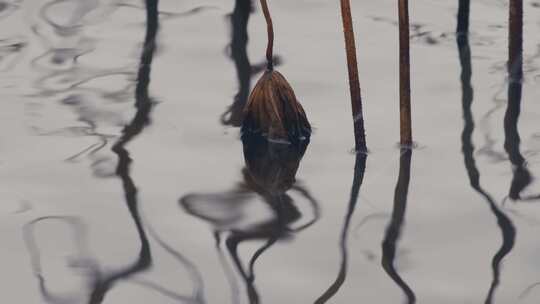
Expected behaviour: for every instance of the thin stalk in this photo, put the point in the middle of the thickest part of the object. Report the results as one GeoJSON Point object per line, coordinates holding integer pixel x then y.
{"type": "Point", "coordinates": [404, 75]}
{"type": "Point", "coordinates": [354, 81]}
{"type": "Point", "coordinates": [522, 177]}
{"type": "Point", "coordinates": [515, 40]}
{"type": "Point", "coordinates": [463, 17]}
{"type": "Point", "coordinates": [270, 30]}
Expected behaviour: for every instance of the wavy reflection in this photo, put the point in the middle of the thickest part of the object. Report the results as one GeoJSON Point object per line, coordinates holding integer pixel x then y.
{"type": "Point", "coordinates": [508, 232]}
{"type": "Point", "coordinates": [393, 231]}
{"type": "Point", "coordinates": [239, 41]}
{"type": "Point", "coordinates": [62, 76]}
{"type": "Point", "coordinates": [102, 282]}
{"type": "Point", "coordinates": [74, 23]}
{"type": "Point", "coordinates": [11, 52]}
{"type": "Point", "coordinates": [80, 259]}
{"type": "Point", "coordinates": [197, 296]}
{"type": "Point", "coordinates": [7, 7]}
{"type": "Point", "coordinates": [269, 175]}
{"type": "Point", "coordinates": [143, 105]}
{"type": "Point", "coordinates": [358, 178]}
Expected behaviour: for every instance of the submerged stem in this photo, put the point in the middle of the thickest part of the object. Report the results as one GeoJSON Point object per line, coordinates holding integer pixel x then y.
{"type": "Point", "coordinates": [354, 81]}
{"type": "Point", "coordinates": [270, 30]}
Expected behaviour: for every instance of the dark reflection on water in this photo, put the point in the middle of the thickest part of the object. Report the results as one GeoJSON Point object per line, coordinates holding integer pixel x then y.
{"type": "Point", "coordinates": [62, 76]}
{"type": "Point", "coordinates": [143, 104]}
{"type": "Point", "coordinates": [463, 17]}
{"type": "Point", "coordinates": [508, 232]}
{"type": "Point", "coordinates": [269, 174]}
{"type": "Point", "coordinates": [70, 81]}
{"type": "Point", "coordinates": [103, 282]}
{"type": "Point", "coordinates": [239, 40]}
{"type": "Point", "coordinates": [358, 178]}
{"type": "Point", "coordinates": [512, 140]}
{"type": "Point", "coordinates": [393, 231]}
{"type": "Point", "coordinates": [194, 274]}
{"type": "Point", "coordinates": [8, 7]}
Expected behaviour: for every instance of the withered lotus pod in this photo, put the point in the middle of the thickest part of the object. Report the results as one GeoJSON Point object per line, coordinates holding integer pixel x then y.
{"type": "Point", "coordinates": [271, 166]}
{"type": "Point", "coordinates": [274, 112]}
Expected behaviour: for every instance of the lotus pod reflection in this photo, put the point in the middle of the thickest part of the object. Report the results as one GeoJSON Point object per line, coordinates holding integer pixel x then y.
{"type": "Point", "coordinates": [273, 110]}
{"type": "Point", "coordinates": [271, 166]}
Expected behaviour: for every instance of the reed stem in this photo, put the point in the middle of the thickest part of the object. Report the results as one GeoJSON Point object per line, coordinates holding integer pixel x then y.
{"type": "Point", "coordinates": [404, 75]}
{"type": "Point", "coordinates": [515, 40]}
{"type": "Point", "coordinates": [463, 17]}
{"type": "Point", "coordinates": [354, 81]}
{"type": "Point", "coordinates": [270, 30]}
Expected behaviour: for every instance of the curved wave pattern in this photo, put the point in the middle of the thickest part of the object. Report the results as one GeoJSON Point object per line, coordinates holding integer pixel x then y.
{"type": "Point", "coordinates": [269, 176]}
{"type": "Point", "coordinates": [61, 77]}
{"type": "Point", "coordinates": [11, 52]}
{"type": "Point", "coordinates": [100, 282]}
{"type": "Point", "coordinates": [12, 45]}
{"type": "Point", "coordinates": [8, 7]}
{"type": "Point", "coordinates": [80, 258]}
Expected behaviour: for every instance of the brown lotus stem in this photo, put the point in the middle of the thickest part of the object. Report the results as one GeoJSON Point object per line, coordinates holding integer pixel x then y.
{"type": "Point", "coordinates": [515, 40]}
{"type": "Point", "coordinates": [354, 81]}
{"type": "Point", "coordinates": [270, 30]}
{"type": "Point", "coordinates": [404, 75]}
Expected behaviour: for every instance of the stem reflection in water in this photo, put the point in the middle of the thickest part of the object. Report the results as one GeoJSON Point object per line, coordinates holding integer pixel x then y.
{"type": "Point", "coordinates": [269, 174]}
{"type": "Point", "coordinates": [508, 232]}
{"type": "Point", "coordinates": [102, 282]}
{"type": "Point", "coordinates": [393, 231]}
{"type": "Point", "coordinates": [358, 178]}
{"type": "Point", "coordinates": [522, 178]}
{"type": "Point", "coordinates": [143, 104]}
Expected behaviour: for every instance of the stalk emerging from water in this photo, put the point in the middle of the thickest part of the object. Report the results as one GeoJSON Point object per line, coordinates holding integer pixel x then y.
{"type": "Point", "coordinates": [522, 177]}
{"type": "Point", "coordinates": [270, 30]}
{"type": "Point", "coordinates": [272, 109]}
{"type": "Point", "coordinates": [404, 75]}
{"type": "Point", "coordinates": [354, 80]}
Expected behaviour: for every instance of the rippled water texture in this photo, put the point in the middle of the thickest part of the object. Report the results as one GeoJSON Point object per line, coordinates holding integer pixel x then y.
{"type": "Point", "coordinates": [124, 179]}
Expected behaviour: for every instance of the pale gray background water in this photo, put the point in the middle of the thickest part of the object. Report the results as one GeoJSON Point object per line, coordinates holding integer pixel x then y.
{"type": "Point", "coordinates": [54, 107]}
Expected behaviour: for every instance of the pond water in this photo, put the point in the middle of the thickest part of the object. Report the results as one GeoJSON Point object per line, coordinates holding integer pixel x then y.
{"type": "Point", "coordinates": [124, 178]}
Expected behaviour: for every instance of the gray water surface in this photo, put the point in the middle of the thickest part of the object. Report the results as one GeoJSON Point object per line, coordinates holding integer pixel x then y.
{"type": "Point", "coordinates": [123, 174]}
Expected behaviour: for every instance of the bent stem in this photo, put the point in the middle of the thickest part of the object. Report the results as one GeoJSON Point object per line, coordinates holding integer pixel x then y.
{"type": "Point", "coordinates": [270, 30]}
{"type": "Point", "coordinates": [354, 81]}
{"type": "Point", "coordinates": [404, 75]}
